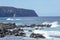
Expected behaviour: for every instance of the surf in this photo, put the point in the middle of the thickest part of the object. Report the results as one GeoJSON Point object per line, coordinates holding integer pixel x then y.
{"type": "Point", "coordinates": [47, 34]}
{"type": "Point", "coordinates": [53, 24]}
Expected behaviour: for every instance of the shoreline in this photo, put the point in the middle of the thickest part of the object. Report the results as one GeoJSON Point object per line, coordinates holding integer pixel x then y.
{"type": "Point", "coordinates": [17, 30]}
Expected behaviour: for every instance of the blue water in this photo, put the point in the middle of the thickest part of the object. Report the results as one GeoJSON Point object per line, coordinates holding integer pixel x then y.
{"type": "Point", "coordinates": [33, 20]}
{"type": "Point", "coordinates": [24, 20]}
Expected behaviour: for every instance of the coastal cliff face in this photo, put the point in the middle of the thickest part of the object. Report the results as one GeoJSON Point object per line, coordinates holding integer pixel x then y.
{"type": "Point", "coordinates": [19, 12]}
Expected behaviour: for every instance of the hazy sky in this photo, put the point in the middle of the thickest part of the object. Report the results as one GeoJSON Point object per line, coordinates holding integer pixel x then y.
{"type": "Point", "coordinates": [42, 7]}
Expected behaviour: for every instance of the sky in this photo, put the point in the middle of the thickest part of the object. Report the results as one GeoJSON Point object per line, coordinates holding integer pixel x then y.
{"type": "Point", "coordinates": [41, 7]}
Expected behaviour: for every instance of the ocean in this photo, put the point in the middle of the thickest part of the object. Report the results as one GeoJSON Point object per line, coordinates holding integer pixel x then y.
{"type": "Point", "coordinates": [53, 30]}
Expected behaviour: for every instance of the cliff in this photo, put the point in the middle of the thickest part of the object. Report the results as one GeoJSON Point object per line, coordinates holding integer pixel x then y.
{"type": "Point", "coordinates": [19, 12]}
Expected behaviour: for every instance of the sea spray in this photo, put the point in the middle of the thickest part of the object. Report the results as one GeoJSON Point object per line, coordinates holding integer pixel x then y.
{"type": "Point", "coordinates": [53, 24]}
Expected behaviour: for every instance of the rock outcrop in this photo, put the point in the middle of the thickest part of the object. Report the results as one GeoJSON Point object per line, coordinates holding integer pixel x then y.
{"type": "Point", "coordinates": [33, 35]}
{"type": "Point", "coordinates": [7, 25]}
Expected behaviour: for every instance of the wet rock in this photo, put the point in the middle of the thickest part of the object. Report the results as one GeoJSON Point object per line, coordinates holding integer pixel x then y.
{"type": "Point", "coordinates": [30, 30]}
{"type": "Point", "coordinates": [7, 25]}
{"type": "Point", "coordinates": [2, 35]}
{"type": "Point", "coordinates": [13, 29]}
{"type": "Point", "coordinates": [10, 26]}
{"type": "Point", "coordinates": [36, 35]}
{"type": "Point", "coordinates": [3, 31]}
{"type": "Point", "coordinates": [32, 25]}
{"type": "Point", "coordinates": [20, 34]}
{"type": "Point", "coordinates": [44, 25]}
{"type": "Point", "coordinates": [20, 26]}
{"type": "Point", "coordinates": [36, 28]}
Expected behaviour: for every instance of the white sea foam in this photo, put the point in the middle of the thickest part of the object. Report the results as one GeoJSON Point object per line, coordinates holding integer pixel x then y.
{"type": "Point", "coordinates": [44, 33]}
{"type": "Point", "coordinates": [12, 19]}
{"type": "Point", "coordinates": [53, 24]}
{"type": "Point", "coordinates": [47, 34]}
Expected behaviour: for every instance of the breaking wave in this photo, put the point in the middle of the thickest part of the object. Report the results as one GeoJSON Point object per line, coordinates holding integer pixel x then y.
{"type": "Point", "coordinates": [48, 34]}
{"type": "Point", "coordinates": [53, 24]}
{"type": "Point", "coordinates": [12, 19]}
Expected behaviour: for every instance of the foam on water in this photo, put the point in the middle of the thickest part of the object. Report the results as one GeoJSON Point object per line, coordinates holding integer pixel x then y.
{"type": "Point", "coordinates": [12, 19]}
{"type": "Point", "coordinates": [53, 24]}
{"type": "Point", "coordinates": [44, 33]}
{"type": "Point", "coordinates": [47, 34]}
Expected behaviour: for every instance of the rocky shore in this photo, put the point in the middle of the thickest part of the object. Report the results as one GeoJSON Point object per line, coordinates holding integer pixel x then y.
{"type": "Point", "coordinates": [17, 30]}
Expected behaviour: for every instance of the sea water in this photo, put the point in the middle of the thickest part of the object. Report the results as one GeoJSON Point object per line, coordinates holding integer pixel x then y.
{"type": "Point", "coordinates": [32, 20]}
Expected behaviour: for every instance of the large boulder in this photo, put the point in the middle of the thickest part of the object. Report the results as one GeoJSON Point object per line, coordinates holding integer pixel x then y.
{"type": "Point", "coordinates": [33, 35]}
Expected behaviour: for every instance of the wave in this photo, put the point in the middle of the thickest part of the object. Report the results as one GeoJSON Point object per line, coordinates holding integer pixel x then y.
{"type": "Point", "coordinates": [12, 19]}
{"type": "Point", "coordinates": [53, 24]}
{"type": "Point", "coordinates": [44, 33]}
{"type": "Point", "coordinates": [48, 34]}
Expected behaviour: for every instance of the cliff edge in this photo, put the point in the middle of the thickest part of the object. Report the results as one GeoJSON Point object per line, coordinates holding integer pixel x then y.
{"type": "Point", "coordinates": [19, 12]}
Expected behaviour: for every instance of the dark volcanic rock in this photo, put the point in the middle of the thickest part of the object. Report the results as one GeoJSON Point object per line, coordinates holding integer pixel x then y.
{"type": "Point", "coordinates": [7, 25]}
{"type": "Point", "coordinates": [2, 35]}
{"type": "Point", "coordinates": [20, 34]}
{"type": "Point", "coordinates": [19, 12]}
{"type": "Point", "coordinates": [3, 32]}
{"type": "Point", "coordinates": [33, 35]}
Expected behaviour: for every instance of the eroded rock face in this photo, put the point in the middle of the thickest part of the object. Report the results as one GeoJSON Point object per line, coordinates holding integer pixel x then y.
{"type": "Point", "coordinates": [20, 12]}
